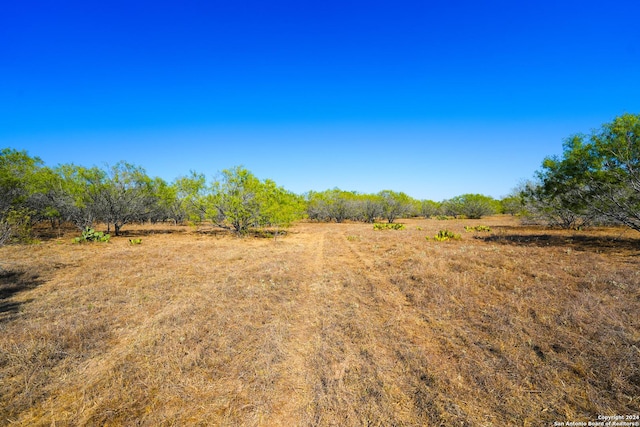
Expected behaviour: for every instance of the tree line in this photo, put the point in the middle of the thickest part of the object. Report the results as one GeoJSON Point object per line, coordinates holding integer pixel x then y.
{"type": "Point", "coordinates": [595, 181]}
{"type": "Point", "coordinates": [387, 205]}
{"type": "Point", "coordinates": [32, 193]}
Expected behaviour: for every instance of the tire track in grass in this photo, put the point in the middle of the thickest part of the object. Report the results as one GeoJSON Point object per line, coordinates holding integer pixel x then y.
{"type": "Point", "coordinates": [353, 368]}
{"type": "Point", "coordinates": [334, 372]}
{"type": "Point", "coordinates": [408, 336]}
{"type": "Point", "coordinates": [294, 387]}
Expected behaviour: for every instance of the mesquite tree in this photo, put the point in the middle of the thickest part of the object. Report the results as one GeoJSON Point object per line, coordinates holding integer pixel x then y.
{"type": "Point", "coordinates": [121, 194]}
{"type": "Point", "coordinates": [598, 176]}
{"type": "Point", "coordinates": [240, 201]}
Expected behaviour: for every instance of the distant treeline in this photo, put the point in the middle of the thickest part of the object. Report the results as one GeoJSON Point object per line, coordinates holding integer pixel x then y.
{"type": "Point", "coordinates": [31, 192]}
{"type": "Point", "coordinates": [597, 181]}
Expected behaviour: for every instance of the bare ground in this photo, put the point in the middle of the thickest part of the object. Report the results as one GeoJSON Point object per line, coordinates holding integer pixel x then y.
{"type": "Point", "coordinates": [334, 324]}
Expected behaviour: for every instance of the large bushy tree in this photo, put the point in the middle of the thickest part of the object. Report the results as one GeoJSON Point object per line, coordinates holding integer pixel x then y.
{"type": "Point", "coordinates": [597, 178]}
{"type": "Point", "coordinates": [240, 201]}
{"type": "Point", "coordinates": [17, 178]}
{"type": "Point", "coordinates": [71, 194]}
{"type": "Point", "coordinates": [429, 208]}
{"type": "Point", "coordinates": [191, 196]}
{"type": "Point", "coordinates": [121, 194]}
{"type": "Point", "coordinates": [235, 200]}
{"type": "Point", "coordinates": [280, 207]}
{"type": "Point", "coordinates": [333, 205]}
{"type": "Point", "coordinates": [21, 178]}
{"type": "Point", "coordinates": [395, 205]}
{"type": "Point", "coordinates": [473, 206]}
{"type": "Point", "coordinates": [370, 207]}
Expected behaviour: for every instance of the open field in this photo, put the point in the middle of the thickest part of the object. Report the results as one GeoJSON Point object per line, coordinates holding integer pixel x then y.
{"type": "Point", "coordinates": [334, 324]}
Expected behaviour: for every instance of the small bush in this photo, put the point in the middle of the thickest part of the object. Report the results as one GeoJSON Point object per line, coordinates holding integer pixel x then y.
{"type": "Point", "coordinates": [477, 228]}
{"type": "Point", "coordinates": [16, 226]}
{"type": "Point", "coordinates": [135, 241]}
{"type": "Point", "coordinates": [90, 235]}
{"type": "Point", "coordinates": [445, 235]}
{"type": "Point", "coordinates": [391, 226]}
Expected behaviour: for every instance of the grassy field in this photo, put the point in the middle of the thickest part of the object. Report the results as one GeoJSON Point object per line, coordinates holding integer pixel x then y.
{"type": "Point", "coordinates": [331, 325]}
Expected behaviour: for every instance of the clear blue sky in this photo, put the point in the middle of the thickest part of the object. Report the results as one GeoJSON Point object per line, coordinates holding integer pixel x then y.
{"type": "Point", "coordinates": [435, 99]}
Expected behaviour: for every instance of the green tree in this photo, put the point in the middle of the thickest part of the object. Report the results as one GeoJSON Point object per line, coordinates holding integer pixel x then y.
{"type": "Point", "coordinates": [395, 205]}
{"type": "Point", "coordinates": [370, 207]}
{"type": "Point", "coordinates": [164, 204]}
{"type": "Point", "coordinates": [121, 194]}
{"type": "Point", "coordinates": [240, 201]}
{"type": "Point", "coordinates": [429, 208]}
{"type": "Point", "coordinates": [473, 206]}
{"type": "Point", "coordinates": [598, 176]}
{"type": "Point", "coordinates": [280, 207]}
{"type": "Point", "coordinates": [235, 200]}
{"type": "Point", "coordinates": [333, 205]}
{"type": "Point", "coordinates": [317, 206]}
{"type": "Point", "coordinates": [512, 204]}
{"type": "Point", "coordinates": [191, 196]}
{"type": "Point", "coordinates": [20, 178]}
{"type": "Point", "coordinates": [72, 193]}
{"type": "Point", "coordinates": [17, 178]}
{"type": "Point", "coordinates": [341, 205]}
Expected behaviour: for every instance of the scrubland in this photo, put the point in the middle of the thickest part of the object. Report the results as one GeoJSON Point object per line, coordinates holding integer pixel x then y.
{"type": "Point", "coordinates": [330, 325]}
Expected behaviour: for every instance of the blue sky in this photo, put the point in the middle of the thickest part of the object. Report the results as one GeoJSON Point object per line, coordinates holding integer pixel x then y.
{"type": "Point", "coordinates": [435, 99]}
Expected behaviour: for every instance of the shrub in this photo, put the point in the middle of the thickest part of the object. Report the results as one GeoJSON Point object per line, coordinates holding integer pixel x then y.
{"type": "Point", "coordinates": [445, 235]}
{"type": "Point", "coordinates": [389, 226]}
{"type": "Point", "coordinates": [17, 226]}
{"type": "Point", "coordinates": [477, 228]}
{"type": "Point", "coordinates": [135, 241]}
{"type": "Point", "coordinates": [472, 206]}
{"type": "Point", "coordinates": [90, 235]}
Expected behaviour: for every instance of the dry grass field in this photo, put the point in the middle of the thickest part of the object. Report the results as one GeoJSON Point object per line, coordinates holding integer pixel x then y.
{"type": "Point", "coordinates": [331, 325]}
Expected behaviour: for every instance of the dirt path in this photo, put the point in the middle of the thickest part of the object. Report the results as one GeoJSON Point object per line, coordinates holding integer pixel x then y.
{"type": "Point", "coordinates": [304, 320]}
{"type": "Point", "coordinates": [348, 353]}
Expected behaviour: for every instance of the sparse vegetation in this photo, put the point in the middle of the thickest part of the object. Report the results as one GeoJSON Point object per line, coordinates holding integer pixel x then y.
{"type": "Point", "coordinates": [388, 226]}
{"type": "Point", "coordinates": [477, 228]}
{"type": "Point", "coordinates": [444, 235]}
{"type": "Point", "coordinates": [90, 235]}
{"type": "Point", "coordinates": [524, 326]}
{"type": "Point", "coordinates": [334, 324]}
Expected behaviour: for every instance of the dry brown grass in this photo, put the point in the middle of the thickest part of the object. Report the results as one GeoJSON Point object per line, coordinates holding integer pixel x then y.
{"type": "Point", "coordinates": [334, 324]}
